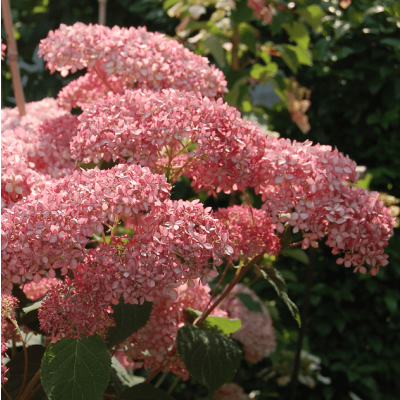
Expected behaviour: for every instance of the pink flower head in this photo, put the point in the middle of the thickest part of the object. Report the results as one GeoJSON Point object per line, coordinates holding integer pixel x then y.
{"type": "Point", "coordinates": [250, 231]}
{"type": "Point", "coordinates": [36, 113]}
{"type": "Point", "coordinates": [134, 55]}
{"type": "Point", "coordinates": [88, 88]}
{"type": "Point", "coordinates": [4, 369]}
{"type": "Point", "coordinates": [230, 391]}
{"type": "Point", "coordinates": [154, 344]}
{"type": "Point", "coordinates": [178, 247]}
{"type": "Point", "coordinates": [34, 291]}
{"type": "Point", "coordinates": [3, 49]}
{"type": "Point", "coordinates": [51, 229]}
{"type": "Point", "coordinates": [156, 130]}
{"type": "Point", "coordinates": [71, 310]}
{"type": "Point", "coordinates": [257, 333]}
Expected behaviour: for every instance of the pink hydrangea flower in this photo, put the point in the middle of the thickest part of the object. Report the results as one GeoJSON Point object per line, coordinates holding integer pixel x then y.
{"type": "Point", "coordinates": [87, 89]}
{"type": "Point", "coordinates": [230, 391]}
{"type": "Point", "coordinates": [137, 127]}
{"type": "Point", "coordinates": [250, 231]}
{"type": "Point", "coordinates": [36, 113]}
{"type": "Point", "coordinates": [34, 291]}
{"type": "Point", "coordinates": [71, 310]}
{"type": "Point", "coordinates": [133, 55]}
{"type": "Point", "coordinates": [154, 344]}
{"type": "Point", "coordinates": [257, 332]}
{"type": "Point", "coordinates": [178, 247]}
{"type": "Point", "coordinates": [51, 229]}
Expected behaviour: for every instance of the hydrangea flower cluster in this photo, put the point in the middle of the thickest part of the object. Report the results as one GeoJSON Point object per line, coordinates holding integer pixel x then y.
{"type": "Point", "coordinates": [69, 310]}
{"type": "Point", "coordinates": [51, 229]}
{"type": "Point", "coordinates": [250, 230]}
{"type": "Point", "coordinates": [133, 55]}
{"type": "Point", "coordinates": [34, 291]}
{"type": "Point", "coordinates": [35, 148]}
{"type": "Point", "coordinates": [154, 345]}
{"type": "Point", "coordinates": [257, 332]}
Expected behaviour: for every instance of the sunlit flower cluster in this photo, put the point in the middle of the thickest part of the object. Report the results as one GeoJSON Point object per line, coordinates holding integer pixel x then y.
{"type": "Point", "coordinates": [34, 291]}
{"type": "Point", "coordinates": [250, 231]}
{"type": "Point", "coordinates": [132, 54]}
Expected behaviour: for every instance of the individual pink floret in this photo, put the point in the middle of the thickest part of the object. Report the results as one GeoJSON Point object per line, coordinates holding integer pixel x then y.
{"type": "Point", "coordinates": [154, 344]}
{"type": "Point", "coordinates": [250, 231]}
{"type": "Point", "coordinates": [230, 391]}
{"type": "Point", "coordinates": [257, 332]}
{"type": "Point", "coordinates": [133, 55]}
{"type": "Point", "coordinates": [51, 229]}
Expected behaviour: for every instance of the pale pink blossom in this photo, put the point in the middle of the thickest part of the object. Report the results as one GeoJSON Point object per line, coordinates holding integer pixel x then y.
{"type": "Point", "coordinates": [71, 310]}
{"type": "Point", "coordinates": [250, 231]}
{"type": "Point", "coordinates": [230, 391]}
{"type": "Point", "coordinates": [51, 229]}
{"type": "Point", "coordinates": [87, 89]}
{"type": "Point", "coordinates": [257, 332]}
{"type": "Point", "coordinates": [133, 55]}
{"type": "Point", "coordinates": [34, 291]}
{"type": "Point", "coordinates": [155, 344]}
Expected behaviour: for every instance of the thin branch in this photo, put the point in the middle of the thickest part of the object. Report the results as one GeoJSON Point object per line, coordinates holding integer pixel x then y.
{"type": "Point", "coordinates": [12, 54]}
{"type": "Point", "coordinates": [174, 383]}
{"type": "Point", "coordinates": [102, 12]}
{"type": "Point", "coordinates": [30, 386]}
{"type": "Point", "coordinates": [228, 289]}
{"type": "Point", "coordinates": [34, 391]}
{"type": "Point", "coordinates": [103, 80]}
{"type": "Point", "coordinates": [152, 375]}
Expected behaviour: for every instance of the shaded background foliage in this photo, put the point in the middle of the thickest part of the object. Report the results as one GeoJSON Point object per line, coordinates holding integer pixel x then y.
{"type": "Point", "coordinates": [355, 103]}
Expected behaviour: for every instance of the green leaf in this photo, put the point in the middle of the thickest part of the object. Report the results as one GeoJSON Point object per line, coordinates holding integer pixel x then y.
{"type": "Point", "coordinates": [343, 52]}
{"type": "Point", "coordinates": [211, 358]}
{"type": "Point", "coordinates": [144, 391]}
{"type": "Point", "coordinates": [128, 319]}
{"type": "Point", "coordinates": [76, 369]}
{"type": "Point", "coordinates": [312, 15]}
{"type": "Point", "coordinates": [391, 303]}
{"type": "Point", "coordinates": [223, 325]}
{"type": "Point", "coordinates": [297, 254]}
{"type": "Point", "coordinates": [249, 39]}
{"type": "Point", "coordinates": [275, 278]}
{"type": "Point", "coordinates": [390, 42]}
{"type": "Point", "coordinates": [249, 302]}
{"type": "Point", "coordinates": [120, 377]}
{"type": "Point", "coordinates": [214, 43]}
{"type": "Point", "coordinates": [303, 55]}
{"type": "Point", "coordinates": [243, 13]}
{"type": "Point", "coordinates": [299, 33]}
{"type": "Point", "coordinates": [288, 56]}
{"type": "Point", "coordinates": [258, 70]}
{"type": "Point", "coordinates": [16, 371]}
